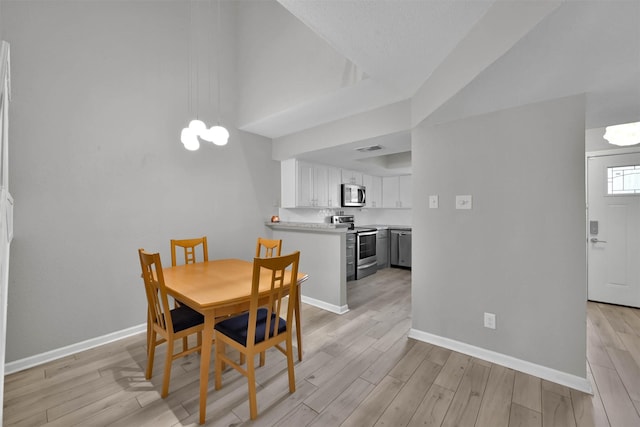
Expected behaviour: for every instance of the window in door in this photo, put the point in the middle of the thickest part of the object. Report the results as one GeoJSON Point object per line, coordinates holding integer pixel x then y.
{"type": "Point", "coordinates": [623, 180]}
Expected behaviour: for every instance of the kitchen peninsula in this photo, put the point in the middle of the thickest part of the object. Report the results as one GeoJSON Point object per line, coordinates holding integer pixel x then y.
{"type": "Point", "coordinates": [322, 257]}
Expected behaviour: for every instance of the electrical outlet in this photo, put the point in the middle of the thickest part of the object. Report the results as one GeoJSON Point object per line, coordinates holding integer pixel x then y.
{"type": "Point", "coordinates": [433, 202]}
{"type": "Point", "coordinates": [490, 320]}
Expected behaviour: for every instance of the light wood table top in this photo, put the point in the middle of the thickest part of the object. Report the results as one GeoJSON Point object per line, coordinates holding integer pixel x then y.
{"type": "Point", "coordinates": [213, 288]}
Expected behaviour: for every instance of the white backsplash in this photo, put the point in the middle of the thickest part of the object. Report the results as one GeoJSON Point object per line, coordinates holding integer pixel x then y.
{"type": "Point", "coordinates": [362, 216]}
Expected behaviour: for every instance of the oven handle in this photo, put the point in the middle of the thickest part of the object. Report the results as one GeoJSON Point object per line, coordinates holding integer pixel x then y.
{"type": "Point", "coordinates": [361, 267]}
{"type": "Point", "coordinates": [367, 233]}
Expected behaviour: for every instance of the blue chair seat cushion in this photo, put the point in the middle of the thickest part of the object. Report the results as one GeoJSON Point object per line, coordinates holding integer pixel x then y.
{"type": "Point", "coordinates": [184, 317]}
{"type": "Point", "coordinates": [237, 327]}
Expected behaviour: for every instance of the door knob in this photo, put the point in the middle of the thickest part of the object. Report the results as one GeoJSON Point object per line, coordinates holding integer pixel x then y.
{"type": "Point", "coordinates": [595, 240]}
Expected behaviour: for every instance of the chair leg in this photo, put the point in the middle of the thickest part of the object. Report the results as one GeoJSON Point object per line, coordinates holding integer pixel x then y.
{"type": "Point", "coordinates": [167, 369]}
{"type": "Point", "coordinates": [149, 342]}
{"type": "Point", "coordinates": [151, 352]}
{"type": "Point", "coordinates": [298, 327]}
{"type": "Point", "coordinates": [185, 344]}
{"type": "Point", "coordinates": [262, 358]}
{"type": "Point", "coordinates": [251, 378]}
{"type": "Point", "coordinates": [292, 378]}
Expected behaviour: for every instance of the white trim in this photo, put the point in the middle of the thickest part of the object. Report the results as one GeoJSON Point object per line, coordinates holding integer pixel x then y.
{"type": "Point", "coordinates": [38, 359]}
{"type": "Point", "coordinates": [549, 374]}
{"type": "Point", "coordinates": [612, 152]}
{"type": "Point", "coordinates": [325, 305]}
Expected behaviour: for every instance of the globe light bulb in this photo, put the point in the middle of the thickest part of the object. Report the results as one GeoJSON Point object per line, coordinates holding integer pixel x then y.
{"type": "Point", "coordinates": [218, 135]}
{"type": "Point", "coordinates": [189, 139]}
{"type": "Point", "coordinates": [197, 126]}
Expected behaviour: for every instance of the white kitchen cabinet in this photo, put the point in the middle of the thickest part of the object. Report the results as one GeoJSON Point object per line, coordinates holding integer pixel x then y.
{"type": "Point", "coordinates": [305, 184]}
{"type": "Point", "coordinates": [312, 185]}
{"type": "Point", "coordinates": [405, 190]}
{"type": "Point", "coordinates": [351, 177]}
{"type": "Point", "coordinates": [334, 179]}
{"type": "Point", "coordinates": [396, 191]}
{"type": "Point", "coordinates": [373, 184]}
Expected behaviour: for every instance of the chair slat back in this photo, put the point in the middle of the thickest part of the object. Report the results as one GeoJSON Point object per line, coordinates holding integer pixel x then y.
{"type": "Point", "coordinates": [282, 282]}
{"type": "Point", "coordinates": [272, 247]}
{"type": "Point", "coordinates": [189, 246]}
{"type": "Point", "coordinates": [155, 289]}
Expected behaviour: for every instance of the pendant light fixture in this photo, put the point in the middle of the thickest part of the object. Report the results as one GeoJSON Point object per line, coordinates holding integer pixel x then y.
{"type": "Point", "coordinates": [218, 135]}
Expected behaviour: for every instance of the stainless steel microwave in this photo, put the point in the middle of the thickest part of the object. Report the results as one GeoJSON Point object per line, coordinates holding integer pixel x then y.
{"type": "Point", "coordinates": [353, 195]}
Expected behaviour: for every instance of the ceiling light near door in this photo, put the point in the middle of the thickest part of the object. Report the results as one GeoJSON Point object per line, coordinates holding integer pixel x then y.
{"type": "Point", "coordinates": [623, 135]}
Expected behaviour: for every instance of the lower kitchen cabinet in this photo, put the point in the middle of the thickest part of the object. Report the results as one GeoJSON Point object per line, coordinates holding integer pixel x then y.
{"type": "Point", "coordinates": [351, 256]}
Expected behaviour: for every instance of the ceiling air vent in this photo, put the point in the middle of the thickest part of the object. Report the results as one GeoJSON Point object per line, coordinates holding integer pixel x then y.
{"type": "Point", "coordinates": [369, 148]}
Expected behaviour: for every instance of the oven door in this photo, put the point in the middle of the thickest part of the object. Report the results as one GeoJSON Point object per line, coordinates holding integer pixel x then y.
{"type": "Point", "coordinates": [366, 259]}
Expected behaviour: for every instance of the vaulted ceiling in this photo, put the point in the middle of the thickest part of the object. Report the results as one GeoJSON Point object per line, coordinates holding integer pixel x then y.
{"type": "Point", "coordinates": [469, 57]}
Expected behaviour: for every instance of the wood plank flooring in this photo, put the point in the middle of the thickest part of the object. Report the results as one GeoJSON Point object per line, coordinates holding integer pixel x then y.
{"type": "Point", "coordinates": [359, 369]}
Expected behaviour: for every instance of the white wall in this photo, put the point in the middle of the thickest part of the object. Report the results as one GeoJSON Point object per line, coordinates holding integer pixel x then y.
{"type": "Point", "coordinates": [98, 171]}
{"type": "Point", "coordinates": [294, 63]}
{"type": "Point", "coordinates": [520, 252]}
{"type": "Point", "coordinates": [322, 257]}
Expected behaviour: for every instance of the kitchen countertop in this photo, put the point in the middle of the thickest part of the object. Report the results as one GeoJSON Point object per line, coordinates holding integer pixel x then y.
{"type": "Point", "coordinates": [323, 227]}
{"type": "Point", "coordinates": [387, 227]}
{"type": "Point", "coordinates": [316, 227]}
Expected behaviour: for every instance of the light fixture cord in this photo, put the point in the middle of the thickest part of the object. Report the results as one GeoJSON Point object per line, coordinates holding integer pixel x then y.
{"type": "Point", "coordinates": [218, 60]}
{"type": "Point", "coordinates": [197, 97]}
{"type": "Point", "coordinates": [190, 65]}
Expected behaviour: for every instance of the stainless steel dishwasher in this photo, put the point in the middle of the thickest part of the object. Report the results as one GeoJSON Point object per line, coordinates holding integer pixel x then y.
{"type": "Point", "coordinates": [400, 248]}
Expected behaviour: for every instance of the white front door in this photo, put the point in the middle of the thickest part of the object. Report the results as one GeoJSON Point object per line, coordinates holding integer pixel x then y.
{"type": "Point", "coordinates": [613, 245]}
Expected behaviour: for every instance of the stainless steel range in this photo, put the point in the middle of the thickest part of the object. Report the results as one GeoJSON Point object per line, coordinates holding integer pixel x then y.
{"type": "Point", "coordinates": [366, 259]}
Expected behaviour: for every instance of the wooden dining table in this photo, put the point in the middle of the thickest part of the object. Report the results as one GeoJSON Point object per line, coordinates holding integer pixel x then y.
{"type": "Point", "coordinates": [214, 288]}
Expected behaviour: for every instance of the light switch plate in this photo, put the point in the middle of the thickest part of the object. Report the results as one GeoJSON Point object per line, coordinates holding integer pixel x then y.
{"type": "Point", "coordinates": [464, 202]}
{"type": "Point", "coordinates": [433, 202]}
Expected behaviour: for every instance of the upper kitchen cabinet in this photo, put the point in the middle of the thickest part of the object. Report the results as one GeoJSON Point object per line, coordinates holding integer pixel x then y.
{"type": "Point", "coordinates": [334, 178]}
{"type": "Point", "coordinates": [309, 185]}
{"type": "Point", "coordinates": [396, 191]}
{"type": "Point", "coordinates": [373, 184]}
{"type": "Point", "coordinates": [351, 177]}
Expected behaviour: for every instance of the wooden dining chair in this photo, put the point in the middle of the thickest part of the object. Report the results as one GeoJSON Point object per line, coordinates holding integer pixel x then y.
{"type": "Point", "coordinates": [166, 324]}
{"type": "Point", "coordinates": [270, 248]}
{"type": "Point", "coordinates": [247, 332]}
{"type": "Point", "coordinates": [190, 248]}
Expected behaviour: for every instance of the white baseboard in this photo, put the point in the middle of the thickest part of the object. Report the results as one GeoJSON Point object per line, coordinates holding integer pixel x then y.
{"type": "Point", "coordinates": [38, 359]}
{"type": "Point", "coordinates": [325, 306]}
{"type": "Point", "coordinates": [549, 374]}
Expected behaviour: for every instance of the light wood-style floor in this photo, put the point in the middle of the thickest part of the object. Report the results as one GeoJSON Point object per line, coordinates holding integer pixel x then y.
{"type": "Point", "coordinates": [359, 369]}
